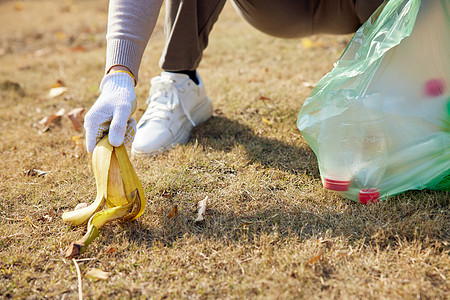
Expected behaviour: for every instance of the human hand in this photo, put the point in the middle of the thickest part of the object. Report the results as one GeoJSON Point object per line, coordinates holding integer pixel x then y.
{"type": "Point", "coordinates": [112, 111]}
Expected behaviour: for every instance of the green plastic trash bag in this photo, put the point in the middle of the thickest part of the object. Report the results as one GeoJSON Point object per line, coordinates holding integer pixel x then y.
{"type": "Point", "coordinates": [379, 122]}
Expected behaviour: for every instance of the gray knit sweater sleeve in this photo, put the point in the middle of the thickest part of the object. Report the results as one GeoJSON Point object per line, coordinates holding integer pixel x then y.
{"type": "Point", "coordinates": [130, 24]}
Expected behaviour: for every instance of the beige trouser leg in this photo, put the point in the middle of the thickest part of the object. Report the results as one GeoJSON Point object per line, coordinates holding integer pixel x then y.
{"type": "Point", "coordinates": [189, 22]}
{"type": "Point", "coordinates": [187, 26]}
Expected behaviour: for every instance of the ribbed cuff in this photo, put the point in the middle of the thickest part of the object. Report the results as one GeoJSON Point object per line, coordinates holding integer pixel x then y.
{"type": "Point", "coordinates": [114, 82]}
{"type": "Point", "coordinates": [125, 53]}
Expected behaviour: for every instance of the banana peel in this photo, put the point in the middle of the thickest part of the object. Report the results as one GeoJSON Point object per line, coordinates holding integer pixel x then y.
{"type": "Point", "coordinates": [118, 188]}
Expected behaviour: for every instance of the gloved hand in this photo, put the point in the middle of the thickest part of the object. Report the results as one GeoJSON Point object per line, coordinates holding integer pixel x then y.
{"type": "Point", "coordinates": [112, 111]}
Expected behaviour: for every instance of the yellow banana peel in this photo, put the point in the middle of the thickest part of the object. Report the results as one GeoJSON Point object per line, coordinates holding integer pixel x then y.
{"type": "Point", "coordinates": [118, 187]}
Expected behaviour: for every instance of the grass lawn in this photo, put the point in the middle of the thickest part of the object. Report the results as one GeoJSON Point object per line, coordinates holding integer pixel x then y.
{"type": "Point", "coordinates": [270, 231]}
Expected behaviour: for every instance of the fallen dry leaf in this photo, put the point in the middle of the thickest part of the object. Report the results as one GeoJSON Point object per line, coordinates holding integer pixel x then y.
{"type": "Point", "coordinates": [314, 259]}
{"type": "Point", "coordinates": [35, 172]}
{"type": "Point", "coordinates": [77, 139]}
{"type": "Point", "coordinates": [264, 98]}
{"type": "Point", "coordinates": [111, 250]}
{"type": "Point", "coordinates": [201, 209]}
{"type": "Point", "coordinates": [173, 212]}
{"type": "Point", "coordinates": [60, 35]}
{"type": "Point", "coordinates": [73, 250]}
{"type": "Point", "coordinates": [18, 6]}
{"type": "Point", "coordinates": [78, 49]}
{"type": "Point", "coordinates": [57, 91]}
{"type": "Point", "coordinates": [308, 84]}
{"type": "Point", "coordinates": [58, 83]}
{"type": "Point", "coordinates": [49, 121]}
{"type": "Point", "coordinates": [307, 43]}
{"type": "Point", "coordinates": [266, 121]}
{"type": "Point", "coordinates": [97, 274]}
{"type": "Point", "coordinates": [76, 116]}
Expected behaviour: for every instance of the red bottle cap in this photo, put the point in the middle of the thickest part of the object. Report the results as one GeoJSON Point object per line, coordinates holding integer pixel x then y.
{"type": "Point", "coordinates": [336, 185]}
{"type": "Point", "coordinates": [434, 87]}
{"type": "Point", "coordinates": [369, 196]}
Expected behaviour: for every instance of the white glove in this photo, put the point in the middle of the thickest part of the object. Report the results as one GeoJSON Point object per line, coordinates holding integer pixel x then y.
{"type": "Point", "coordinates": [112, 112]}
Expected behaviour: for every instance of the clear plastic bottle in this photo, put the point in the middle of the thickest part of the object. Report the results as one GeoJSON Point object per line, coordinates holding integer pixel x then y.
{"type": "Point", "coordinates": [364, 145]}
{"type": "Point", "coordinates": [335, 174]}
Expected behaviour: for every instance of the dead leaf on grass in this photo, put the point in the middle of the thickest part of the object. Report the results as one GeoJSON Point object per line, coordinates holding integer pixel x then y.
{"type": "Point", "coordinates": [47, 122]}
{"type": "Point", "coordinates": [264, 98]}
{"type": "Point", "coordinates": [73, 250]}
{"type": "Point", "coordinates": [308, 43]}
{"type": "Point", "coordinates": [78, 49]}
{"type": "Point", "coordinates": [111, 250]}
{"type": "Point", "coordinates": [266, 121]}
{"type": "Point", "coordinates": [60, 35]}
{"type": "Point", "coordinates": [314, 259]}
{"type": "Point", "coordinates": [201, 209]}
{"type": "Point", "coordinates": [58, 83]}
{"type": "Point", "coordinates": [77, 139]}
{"type": "Point", "coordinates": [173, 212]}
{"type": "Point", "coordinates": [96, 274]}
{"type": "Point", "coordinates": [57, 91]}
{"type": "Point", "coordinates": [35, 172]}
{"type": "Point", "coordinates": [18, 6]}
{"type": "Point", "coordinates": [76, 116]}
{"type": "Point", "coordinates": [308, 84]}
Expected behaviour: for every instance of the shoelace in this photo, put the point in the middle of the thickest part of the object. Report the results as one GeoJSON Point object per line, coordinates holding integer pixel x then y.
{"type": "Point", "coordinates": [164, 98]}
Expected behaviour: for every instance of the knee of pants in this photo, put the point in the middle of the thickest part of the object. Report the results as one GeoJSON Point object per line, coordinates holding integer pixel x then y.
{"type": "Point", "coordinates": [275, 18]}
{"type": "Point", "coordinates": [299, 18]}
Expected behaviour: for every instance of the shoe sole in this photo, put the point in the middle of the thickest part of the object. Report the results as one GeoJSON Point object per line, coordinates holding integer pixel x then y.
{"type": "Point", "coordinates": [202, 113]}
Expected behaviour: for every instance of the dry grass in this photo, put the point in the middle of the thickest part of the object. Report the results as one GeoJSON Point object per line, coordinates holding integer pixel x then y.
{"type": "Point", "coordinates": [271, 230]}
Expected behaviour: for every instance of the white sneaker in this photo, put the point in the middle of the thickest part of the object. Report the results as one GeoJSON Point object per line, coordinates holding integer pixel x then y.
{"type": "Point", "coordinates": [176, 105]}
